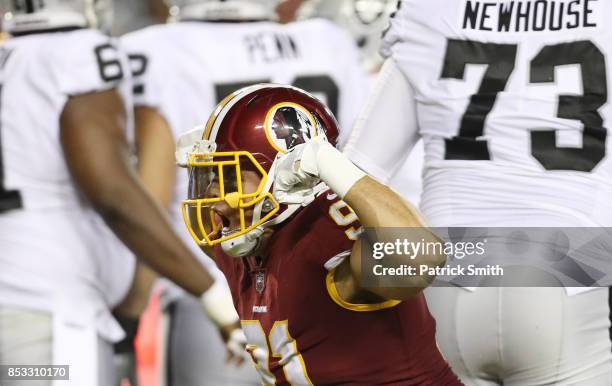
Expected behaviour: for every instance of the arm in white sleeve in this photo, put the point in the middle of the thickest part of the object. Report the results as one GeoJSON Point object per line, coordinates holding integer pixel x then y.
{"type": "Point", "coordinates": [354, 87]}
{"type": "Point", "coordinates": [386, 130]}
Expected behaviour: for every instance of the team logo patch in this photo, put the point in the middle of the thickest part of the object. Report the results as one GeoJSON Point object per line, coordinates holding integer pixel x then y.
{"type": "Point", "coordinates": [260, 282]}
{"type": "Point", "coordinates": [288, 125]}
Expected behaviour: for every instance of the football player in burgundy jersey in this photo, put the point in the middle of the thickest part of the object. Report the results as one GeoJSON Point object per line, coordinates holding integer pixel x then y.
{"type": "Point", "coordinates": [278, 222]}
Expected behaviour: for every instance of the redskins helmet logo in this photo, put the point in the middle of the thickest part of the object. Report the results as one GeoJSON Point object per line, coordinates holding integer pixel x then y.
{"type": "Point", "coordinates": [288, 125]}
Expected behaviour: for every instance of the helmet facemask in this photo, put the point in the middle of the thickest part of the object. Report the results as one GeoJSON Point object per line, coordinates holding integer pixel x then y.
{"type": "Point", "coordinates": [217, 181]}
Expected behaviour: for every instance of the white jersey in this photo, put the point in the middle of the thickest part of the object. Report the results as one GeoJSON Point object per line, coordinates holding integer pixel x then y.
{"type": "Point", "coordinates": [56, 254]}
{"type": "Point", "coordinates": [184, 69]}
{"type": "Point", "coordinates": [510, 99]}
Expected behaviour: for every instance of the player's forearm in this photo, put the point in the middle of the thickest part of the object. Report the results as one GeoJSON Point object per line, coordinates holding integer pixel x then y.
{"type": "Point", "coordinates": [155, 150]}
{"type": "Point", "coordinates": [391, 217]}
{"type": "Point", "coordinates": [156, 171]}
{"type": "Point", "coordinates": [142, 225]}
{"type": "Point", "coordinates": [158, 180]}
{"type": "Point", "coordinates": [97, 155]}
{"type": "Point", "coordinates": [378, 207]}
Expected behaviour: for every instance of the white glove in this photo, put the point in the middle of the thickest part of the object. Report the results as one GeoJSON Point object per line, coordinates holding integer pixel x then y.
{"type": "Point", "coordinates": [300, 170]}
{"type": "Point", "coordinates": [297, 173]}
{"type": "Point", "coordinates": [236, 346]}
{"type": "Point", "coordinates": [218, 305]}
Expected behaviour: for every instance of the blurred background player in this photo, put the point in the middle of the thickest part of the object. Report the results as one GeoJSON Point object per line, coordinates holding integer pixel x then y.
{"type": "Point", "coordinates": [65, 114]}
{"type": "Point", "coordinates": [366, 21]}
{"type": "Point", "coordinates": [182, 70]}
{"type": "Point", "coordinates": [136, 14]}
{"type": "Point", "coordinates": [510, 99]}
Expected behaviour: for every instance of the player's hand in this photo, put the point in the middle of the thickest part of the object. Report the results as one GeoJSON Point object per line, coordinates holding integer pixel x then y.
{"type": "Point", "coordinates": [218, 305]}
{"type": "Point", "coordinates": [297, 173]}
{"type": "Point", "coordinates": [235, 344]}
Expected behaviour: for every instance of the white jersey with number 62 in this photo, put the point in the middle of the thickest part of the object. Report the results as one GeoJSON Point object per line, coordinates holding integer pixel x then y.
{"type": "Point", "coordinates": [55, 253]}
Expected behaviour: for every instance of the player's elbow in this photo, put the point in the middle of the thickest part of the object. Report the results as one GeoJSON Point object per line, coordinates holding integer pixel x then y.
{"type": "Point", "coordinates": [428, 265]}
{"type": "Point", "coordinates": [432, 262]}
{"type": "Point", "coordinates": [424, 269]}
{"type": "Point", "coordinates": [419, 277]}
{"type": "Point", "coordinates": [419, 274]}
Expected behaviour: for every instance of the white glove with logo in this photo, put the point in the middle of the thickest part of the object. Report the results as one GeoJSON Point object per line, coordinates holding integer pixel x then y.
{"type": "Point", "coordinates": [306, 165]}
{"type": "Point", "coordinates": [297, 173]}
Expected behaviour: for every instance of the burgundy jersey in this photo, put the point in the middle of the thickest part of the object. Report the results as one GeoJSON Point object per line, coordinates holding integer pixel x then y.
{"type": "Point", "coordinates": [300, 332]}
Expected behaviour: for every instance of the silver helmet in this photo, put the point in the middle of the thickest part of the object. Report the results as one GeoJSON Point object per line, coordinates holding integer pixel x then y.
{"type": "Point", "coordinates": [20, 16]}
{"type": "Point", "coordinates": [364, 19]}
{"type": "Point", "coordinates": [222, 9]}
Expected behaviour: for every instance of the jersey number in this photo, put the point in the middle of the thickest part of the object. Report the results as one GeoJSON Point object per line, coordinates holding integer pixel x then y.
{"type": "Point", "coordinates": [108, 62]}
{"type": "Point", "coordinates": [343, 215]}
{"type": "Point", "coordinates": [139, 64]}
{"type": "Point", "coordinates": [316, 84]}
{"type": "Point", "coordinates": [9, 199]}
{"type": "Point", "coordinates": [500, 59]}
{"type": "Point", "coordinates": [282, 346]}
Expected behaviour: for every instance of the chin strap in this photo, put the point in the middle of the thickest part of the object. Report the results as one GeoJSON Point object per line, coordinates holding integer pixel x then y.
{"type": "Point", "coordinates": [244, 244]}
